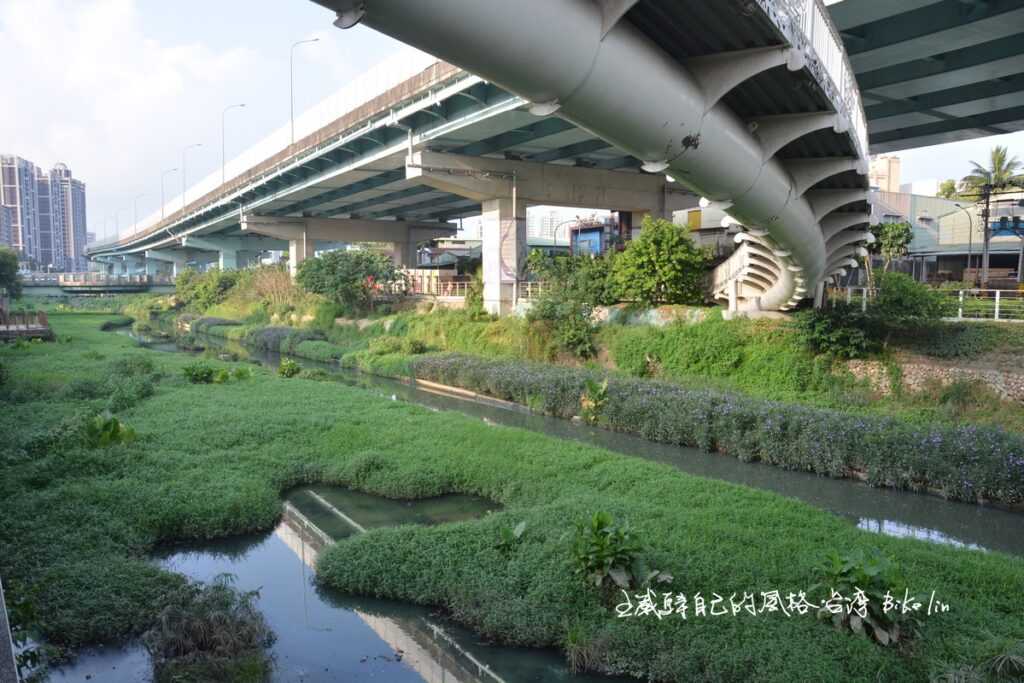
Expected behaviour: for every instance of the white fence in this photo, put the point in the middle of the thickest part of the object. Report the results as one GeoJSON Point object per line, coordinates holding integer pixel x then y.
{"type": "Point", "coordinates": [997, 305]}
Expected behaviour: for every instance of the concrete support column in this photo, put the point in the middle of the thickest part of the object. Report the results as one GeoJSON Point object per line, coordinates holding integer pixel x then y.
{"type": "Point", "coordinates": [819, 295]}
{"type": "Point", "coordinates": [734, 287]}
{"type": "Point", "coordinates": [227, 259]}
{"type": "Point", "coordinates": [298, 251]}
{"type": "Point", "coordinates": [404, 254]}
{"type": "Point", "coordinates": [152, 267]}
{"type": "Point", "coordinates": [503, 252]}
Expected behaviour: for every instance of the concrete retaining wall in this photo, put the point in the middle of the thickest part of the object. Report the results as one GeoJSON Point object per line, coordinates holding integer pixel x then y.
{"type": "Point", "coordinates": [916, 377]}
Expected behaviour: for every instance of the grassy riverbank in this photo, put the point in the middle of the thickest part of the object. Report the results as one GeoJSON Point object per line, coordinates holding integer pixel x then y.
{"type": "Point", "coordinates": [212, 459]}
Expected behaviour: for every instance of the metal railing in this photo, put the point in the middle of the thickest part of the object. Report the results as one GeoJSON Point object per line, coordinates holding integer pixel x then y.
{"type": "Point", "coordinates": [25, 320]}
{"type": "Point", "coordinates": [812, 30]}
{"type": "Point", "coordinates": [527, 290]}
{"type": "Point", "coordinates": [105, 279]}
{"type": "Point", "coordinates": [998, 305]}
{"type": "Point", "coordinates": [423, 286]}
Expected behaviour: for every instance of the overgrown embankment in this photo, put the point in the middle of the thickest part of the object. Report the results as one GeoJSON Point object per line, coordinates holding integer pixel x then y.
{"type": "Point", "coordinates": [212, 459]}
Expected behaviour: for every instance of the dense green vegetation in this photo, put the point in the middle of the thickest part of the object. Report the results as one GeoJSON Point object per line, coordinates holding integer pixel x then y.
{"type": "Point", "coordinates": [213, 459]}
{"type": "Point", "coordinates": [10, 282]}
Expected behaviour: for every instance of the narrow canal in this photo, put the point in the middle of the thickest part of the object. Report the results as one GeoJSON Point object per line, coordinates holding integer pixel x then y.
{"type": "Point", "coordinates": [323, 635]}
{"type": "Point", "coordinates": [880, 510]}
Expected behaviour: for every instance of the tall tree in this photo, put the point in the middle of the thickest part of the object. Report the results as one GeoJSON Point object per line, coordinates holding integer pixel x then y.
{"type": "Point", "coordinates": [891, 240]}
{"type": "Point", "coordinates": [9, 279]}
{"type": "Point", "coordinates": [1002, 171]}
{"type": "Point", "coordinates": [948, 189]}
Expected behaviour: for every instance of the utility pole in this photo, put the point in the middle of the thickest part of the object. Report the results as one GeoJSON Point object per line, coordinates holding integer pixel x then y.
{"type": "Point", "coordinates": [986, 235]}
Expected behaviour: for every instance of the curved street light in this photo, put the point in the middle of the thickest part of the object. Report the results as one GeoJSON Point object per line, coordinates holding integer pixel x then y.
{"type": "Point", "coordinates": [163, 177]}
{"type": "Point", "coordinates": [970, 236]}
{"type": "Point", "coordinates": [223, 156]}
{"type": "Point", "coordinates": [291, 78]}
{"type": "Point", "coordinates": [183, 174]}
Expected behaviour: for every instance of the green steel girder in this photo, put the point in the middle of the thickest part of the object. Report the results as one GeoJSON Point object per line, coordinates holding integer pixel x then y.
{"type": "Point", "coordinates": [1002, 48]}
{"type": "Point", "coordinates": [373, 201]}
{"type": "Point", "coordinates": [924, 21]}
{"type": "Point", "coordinates": [569, 151]}
{"type": "Point", "coordinates": [371, 183]}
{"type": "Point", "coordinates": [511, 138]}
{"type": "Point", "coordinates": [945, 98]}
{"type": "Point", "coordinates": [982, 121]}
{"type": "Point", "coordinates": [406, 209]}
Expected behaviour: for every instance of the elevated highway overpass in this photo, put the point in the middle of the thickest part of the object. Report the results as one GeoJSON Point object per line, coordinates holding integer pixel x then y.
{"type": "Point", "coordinates": [752, 105]}
{"type": "Point", "coordinates": [935, 71]}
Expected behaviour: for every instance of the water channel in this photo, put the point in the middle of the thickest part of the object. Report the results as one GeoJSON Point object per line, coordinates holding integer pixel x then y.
{"type": "Point", "coordinates": [880, 510]}
{"type": "Point", "coordinates": [325, 636]}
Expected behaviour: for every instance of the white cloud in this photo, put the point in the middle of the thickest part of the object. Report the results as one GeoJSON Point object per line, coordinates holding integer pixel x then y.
{"type": "Point", "coordinates": [92, 90]}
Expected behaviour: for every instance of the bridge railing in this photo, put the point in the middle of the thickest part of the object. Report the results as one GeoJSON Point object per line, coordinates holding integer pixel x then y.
{"type": "Point", "coordinates": [105, 279]}
{"type": "Point", "coordinates": [821, 42]}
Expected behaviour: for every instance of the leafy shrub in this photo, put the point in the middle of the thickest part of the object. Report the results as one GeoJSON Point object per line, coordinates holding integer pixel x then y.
{"type": "Point", "coordinates": [604, 552]}
{"type": "Point", "coordinates": [880, 579]}
{"type": "Point", "coordinates": [413, 346]}
{"type": "Point", "coordinates": [106, 430]}
{"type": "Point", "coordinates": [201, 291]}
{"type": "Point", "coordinates": [198, 373]}
{"type": "Point", "coordinates": [661, 266]}
{"type": "Point", "coordinates": [288, 368]}
{"type": "Point", "coordinates": [384, 345]}
{"type": "Point", "coordinates": [221, 376]}
{"type": "Point", "coordinates": [4, 374]}
{"type": "Point", "coordinates": [840, 330]}
{"type": "Point", "coordinates": [593, 400]}
{"type": "Point", "coordinates": [349, 278]}
{"type": "Point", "coordinates": [85, 388]}
{"type": "Point", "coordinates": [241, 373]}
{"type": "Point", "coordinates": [962, 463]}
{"type": "Point", "coordinates": [475, 295]}
{"type": "Point", "coordinates": [509, 537]}
{"type": "Point", "coordinates": [207, 631]}
{"type": "Point", "coordinates": [902, 300]}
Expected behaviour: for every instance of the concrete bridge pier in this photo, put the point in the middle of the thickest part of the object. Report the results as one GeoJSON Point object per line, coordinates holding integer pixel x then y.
{"type": "Point", "coordinates": [505, 188]}
{"type": "Point", "coordinates": [233, 252]}
{"type": "Point", "coordinates": [178, 259]}
{"type": "Point", "coordinates": [303, 234]}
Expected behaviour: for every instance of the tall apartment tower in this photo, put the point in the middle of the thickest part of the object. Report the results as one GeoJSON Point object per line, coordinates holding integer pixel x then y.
{"type": "Point", "coordinates": [18, 193]}
{"type": "Point", "coordinates": [884, 173]}
{"type": "Point", "coordinates": [68, 199]}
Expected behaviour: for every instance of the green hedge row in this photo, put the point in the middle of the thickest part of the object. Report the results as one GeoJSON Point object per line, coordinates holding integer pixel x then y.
{"type": "Point", "coordinates": [965, 463]}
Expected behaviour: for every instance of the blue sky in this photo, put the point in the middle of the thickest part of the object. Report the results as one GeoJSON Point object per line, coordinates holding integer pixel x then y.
{"type": "Point", "coordinates": [116, 89]}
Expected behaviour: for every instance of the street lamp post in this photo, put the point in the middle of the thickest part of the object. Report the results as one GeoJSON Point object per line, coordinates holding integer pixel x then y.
{"type": "Point", "coordinates": [970, 234]}
{"type": "Point", "coordinates": [291, 79]}
{"type": "Point", "coordinates": [223, 156]}
{"type": "Point", "coordinates": [135, 212]}
{"type": "Point", "coordinates": [183, 173]}
{"type": "Point", "coordinates": [163, 177]}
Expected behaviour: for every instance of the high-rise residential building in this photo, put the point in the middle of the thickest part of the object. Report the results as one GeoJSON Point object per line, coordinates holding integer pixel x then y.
{"type": "Point", "coordinates": [18, 192]}
{"type": "Point", "coordinates": [42, 214]}
{"type": "Point", "coordinates": [884, 173]}
{"type": "Point", "coordinates": [69, 193]}
{"type": "Point", "coordinates": [6, 224]}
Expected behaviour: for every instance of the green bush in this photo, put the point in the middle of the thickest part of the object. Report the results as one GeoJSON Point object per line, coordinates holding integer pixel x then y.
{"type": "Point", "coordinates": [902, 300]}
{"type": "Point", "coordinates": [880, 580]}
{"type": "Point", "coordinates": [606, 553]}
{"type": "Point", "coordinates": [840, 330]}
{"type": "Point", "coordinates": [661, 266]}
{"type": "Point", "coordinates": [106, 430]}
{"type": "Point", "coordinates": [210, 632]}
{"type": "Point", "coordinates": [288, 368]}
{"type": "Point", "coordinates": [126, 391]}
{"type": "Point", "coordinates": [198, 373]}
{"type": "Point", "coordinates": [413, 346]}
{"type": "Point", "coordinates": [221, 376]}
{"type": "Point", "coordinates": [380, 346]}
{"type": "Point", "coordinates": [200, 291]}
{"type": "Point", "coordinates": [349, 278]}
{"type": "Point", "coordinates": [241, 373]}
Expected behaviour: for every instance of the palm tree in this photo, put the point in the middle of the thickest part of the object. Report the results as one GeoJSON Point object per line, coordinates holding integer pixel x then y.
{"type": "Point", "coordinates": [1002, 172]}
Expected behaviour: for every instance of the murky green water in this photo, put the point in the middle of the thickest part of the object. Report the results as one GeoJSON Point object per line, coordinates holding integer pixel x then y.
{"type": "Point", "coordinates": [886, 511]}
{"type": "Point", "coordinates": [323, 635]}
